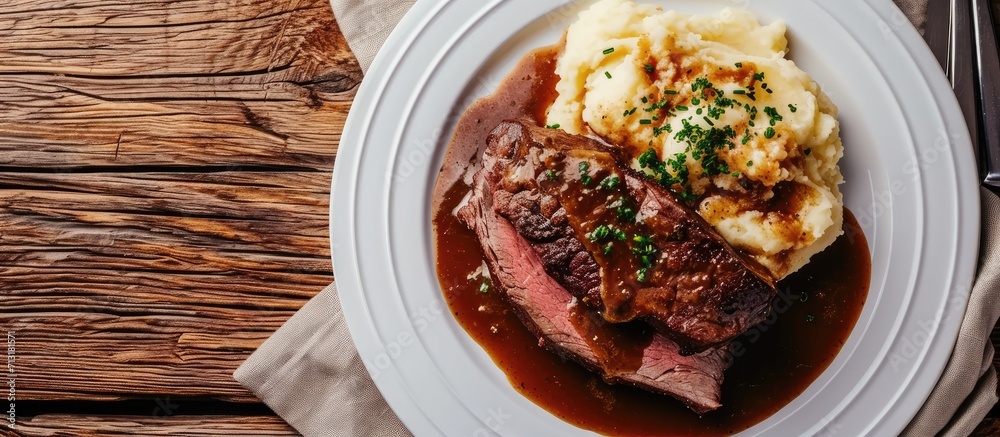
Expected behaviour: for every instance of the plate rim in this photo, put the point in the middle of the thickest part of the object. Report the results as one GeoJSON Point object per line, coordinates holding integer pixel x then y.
{"type": "Point", "coordinates": [391, 55]}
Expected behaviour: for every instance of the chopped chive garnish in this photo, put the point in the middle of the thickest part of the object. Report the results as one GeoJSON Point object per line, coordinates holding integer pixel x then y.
{"type": "Point", "coordinates": [669, 91]}
{"type": "Point", "coordinates": [739, 65]}
{"type": "Point", "coordinates": [552, 126]}
{"type": "Point", "coordinates": [695, 101]}
{"type": "Point", "coordinates": [792, 108]}
{"type": "Point", "coordinates": [699, 111]}
{"type": "Point", "coordinates": [609, 51]}
{"type": "Point", "coordinates": [645, 100]}
{"type": "Point", "coordinates": [769, 133]}
{"type": "Point", "coordinates": [749, 163]}
{"type": "Point", "coordinates": [600, 233]}
{"type": "Point", "coordinates": [708, 121]}
{"type": "Point", "coordinates": [649, 68]}
{"type": "Point", "coordinates": [682, 108]}
{"type": "Point", "coordinates": [610, 182]}
{"type": "Point", "coordinates": [739, 91]}
{"type": "Point", "coordinates": [607, 74]}
{"type": "Point", "coordinates": [759, 76]}
{"type": "Point", "coordinates": [551, 174]}
{"type": "Point", "coordinates": [645, 121]}
{"type": "Point", "coordinates": [618, 234]}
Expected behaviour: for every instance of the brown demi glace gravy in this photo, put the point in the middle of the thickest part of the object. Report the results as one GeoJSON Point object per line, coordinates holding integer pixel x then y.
{"type": "Point", "coordinates": [774, 362]}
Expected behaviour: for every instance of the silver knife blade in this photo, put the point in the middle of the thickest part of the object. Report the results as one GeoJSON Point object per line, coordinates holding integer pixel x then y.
{"type": "Point", "coordinates": [961, 66]}
{"type": "Point", "coordinates": [988, 69]}
{"type": "Point", "coordinates": [937, 29]}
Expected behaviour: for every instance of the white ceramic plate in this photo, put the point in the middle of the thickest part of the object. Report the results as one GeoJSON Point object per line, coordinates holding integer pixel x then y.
{"type": "Point", "coordinates": [911, 181]}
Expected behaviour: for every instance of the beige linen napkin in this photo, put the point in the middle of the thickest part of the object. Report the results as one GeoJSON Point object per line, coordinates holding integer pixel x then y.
{"type": "Point", "coordinates": [310, 374]}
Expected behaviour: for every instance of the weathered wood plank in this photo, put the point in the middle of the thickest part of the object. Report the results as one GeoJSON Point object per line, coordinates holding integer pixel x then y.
{"type": "Point", "coordinates": [989, 428]}
{"type": "Point", "coordinates": [164, 187]}
{"type": "Point", "coordinates": [149, 283]}
{"type": "Point", "coordinates": [86, 83]}
{"type": "Point", "coordinates": [85, 426]}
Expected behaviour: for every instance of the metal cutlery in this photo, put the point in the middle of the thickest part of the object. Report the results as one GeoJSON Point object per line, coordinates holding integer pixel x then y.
{"type": "Point", "coordinates": [967, 51]}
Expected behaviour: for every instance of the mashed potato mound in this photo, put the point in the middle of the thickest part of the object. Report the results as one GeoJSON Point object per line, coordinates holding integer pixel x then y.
{"type": "Point", "coordinates": [710, 107]}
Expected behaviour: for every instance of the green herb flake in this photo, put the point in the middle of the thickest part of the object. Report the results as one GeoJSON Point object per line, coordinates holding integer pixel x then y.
{"type": "Point", "coordinates": [701, 83]}
{"type": "Point", "coordinates": [739, 65]}
{"type": "Point", "coordinates": [649, 68]}
{"type": "Point", "coordinates": [610, 182]}
{"type": "Point", "coordinates": [769, 133]}
{"type": "Point", "coordinates": [607, 74]}
{"type": "Point", "coordinates": [645, 100]}
{"type": "Point", "coordinates": [551, 174]}
{"type": "Point", "coordinates": [758, 76]}
{"type": "Point", "coordinates": [552, 126]}
{"type": "Point", "coordinates": [625, 214]}
{"type": "Point", "coordinates": [608, 248]}
{"type": "Point", "coordinates": [584, 168]}
{"type": "Point", "coordinates": [670, 92]}
{"type": "Point", "coordinates": [599, 233]}
{"type": "Point", "coordinates": [749, 163]}
{"type": "Point", "coordinates": [773, 113]}
{"type": "Point", "coordinates": [792, 108]}
{"type": "Point", "coordinates": [682, 108]}
{"type": "Point", "coordinates": [609, 51]}
{"type": "Point", "coordinates": [618, 234]}
{"type": "Point", "coordinates": [742, 92]}
{"type": "Point", "coordinates": [640, 275]}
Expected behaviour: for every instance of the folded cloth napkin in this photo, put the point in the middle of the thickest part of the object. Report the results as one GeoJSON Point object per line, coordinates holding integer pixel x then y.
{"type": "Point", "coordinates": [310, 374]}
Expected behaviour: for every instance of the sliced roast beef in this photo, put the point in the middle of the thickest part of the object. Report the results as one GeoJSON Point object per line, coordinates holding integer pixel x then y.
{"type": "Point", "coordinates": [564, 326]}
{"type": "Point", "coordinates": [618, 241]}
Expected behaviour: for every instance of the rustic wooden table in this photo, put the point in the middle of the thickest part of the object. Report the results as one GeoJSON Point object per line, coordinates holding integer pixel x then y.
{"type": "Point", "coordinates": [164, 185]}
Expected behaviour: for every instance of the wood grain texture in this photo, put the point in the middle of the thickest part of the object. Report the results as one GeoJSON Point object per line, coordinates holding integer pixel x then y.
{"type": "Point", "coordinates": [164, 188]}
{"type": "Point", "coordinates": [87, 426]}
{"type": "Point", "coordinates": [989, 428]}
{"type": "Point", "coordinates": [164, 185]}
